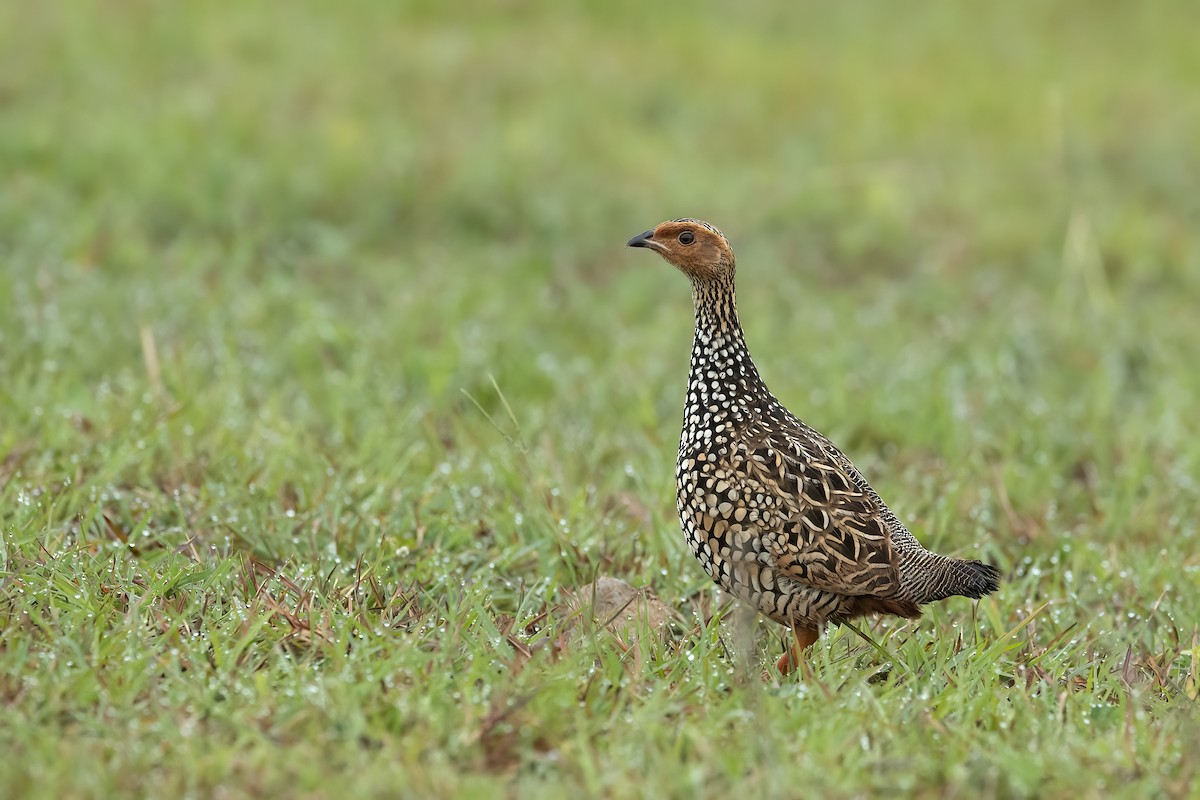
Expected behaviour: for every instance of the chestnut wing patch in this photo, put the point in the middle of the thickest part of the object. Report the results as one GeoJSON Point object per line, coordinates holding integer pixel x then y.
{"type": "Point", "coordinates": [833, 536]}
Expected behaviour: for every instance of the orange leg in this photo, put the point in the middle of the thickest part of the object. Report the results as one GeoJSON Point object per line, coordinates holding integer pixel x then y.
{"type": "Point", "coordinates": [790, 659]}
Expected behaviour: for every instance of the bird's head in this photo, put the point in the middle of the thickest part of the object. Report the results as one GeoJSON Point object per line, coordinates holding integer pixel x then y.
{"type": "Point", "coordinates": [694, 247]}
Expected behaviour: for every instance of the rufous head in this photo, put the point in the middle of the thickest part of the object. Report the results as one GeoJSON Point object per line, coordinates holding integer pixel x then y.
{"type": "Point", "coordinates": [694, 247]}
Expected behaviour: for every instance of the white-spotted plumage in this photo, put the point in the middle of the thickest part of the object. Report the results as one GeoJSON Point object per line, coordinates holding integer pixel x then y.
{"type": "Point", "coordinates": [774, 512]}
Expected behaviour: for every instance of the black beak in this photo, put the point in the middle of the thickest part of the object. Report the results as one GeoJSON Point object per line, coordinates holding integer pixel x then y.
{"type": "Point", "coordinates": [642, 240]}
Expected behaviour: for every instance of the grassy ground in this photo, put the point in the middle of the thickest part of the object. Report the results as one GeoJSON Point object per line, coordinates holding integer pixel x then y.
{"type": "Point", "coordinates": [325, 373]}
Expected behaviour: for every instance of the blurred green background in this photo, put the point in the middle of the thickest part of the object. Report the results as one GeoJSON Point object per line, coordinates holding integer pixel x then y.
{"type": "Point", "coordinates": [341, 287]}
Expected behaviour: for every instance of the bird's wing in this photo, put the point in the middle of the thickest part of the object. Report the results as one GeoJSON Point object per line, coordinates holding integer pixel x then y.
{"type": "Point", "coordinates": [833, 536]}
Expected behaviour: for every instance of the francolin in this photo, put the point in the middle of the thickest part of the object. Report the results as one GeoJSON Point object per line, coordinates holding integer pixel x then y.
{"type": "Point", "coordinates": [774, 512]}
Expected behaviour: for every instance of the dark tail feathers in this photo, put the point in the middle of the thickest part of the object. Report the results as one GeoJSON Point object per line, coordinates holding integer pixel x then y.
{"type": "Point", "coordinates": [938, 577]}
{"type": "Point", "coordinates": [983, 580]}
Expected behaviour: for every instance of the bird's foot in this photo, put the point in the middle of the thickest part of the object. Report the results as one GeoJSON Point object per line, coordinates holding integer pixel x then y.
{"type": "Point", "coordinates": [792, 658]}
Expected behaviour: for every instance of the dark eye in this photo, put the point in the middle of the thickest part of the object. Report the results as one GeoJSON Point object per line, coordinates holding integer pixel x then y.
{"type": "Point", "coordinates": [687, 237]}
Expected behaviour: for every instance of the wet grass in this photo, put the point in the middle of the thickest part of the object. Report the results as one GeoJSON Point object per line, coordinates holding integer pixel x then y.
{"type": "Point", "coordinates": [325, 376]}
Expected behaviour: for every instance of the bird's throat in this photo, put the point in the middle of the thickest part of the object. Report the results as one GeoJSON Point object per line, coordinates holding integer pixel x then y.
{"type": "Point", "coordinates": [723, 383]}
{"type": "Point", "coordinates": [716, 308]}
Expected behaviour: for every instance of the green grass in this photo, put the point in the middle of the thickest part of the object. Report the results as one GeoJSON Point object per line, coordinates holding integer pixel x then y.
{"type": "Point", "coordinates": [325, 373]}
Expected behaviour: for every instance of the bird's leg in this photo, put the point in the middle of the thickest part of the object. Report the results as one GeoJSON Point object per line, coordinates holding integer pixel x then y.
{"type": "Point", "coordinates": [790, 659]}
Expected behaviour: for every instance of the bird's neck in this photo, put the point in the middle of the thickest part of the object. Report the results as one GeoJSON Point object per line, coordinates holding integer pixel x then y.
{"type": "Point", "coordinates": [723, 376]}
{"type": "Point", "coordinates": [716, 309]}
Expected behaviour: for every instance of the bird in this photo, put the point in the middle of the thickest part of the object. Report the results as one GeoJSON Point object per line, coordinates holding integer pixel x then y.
{"type": "Point", "coordinates": [775, 513]}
